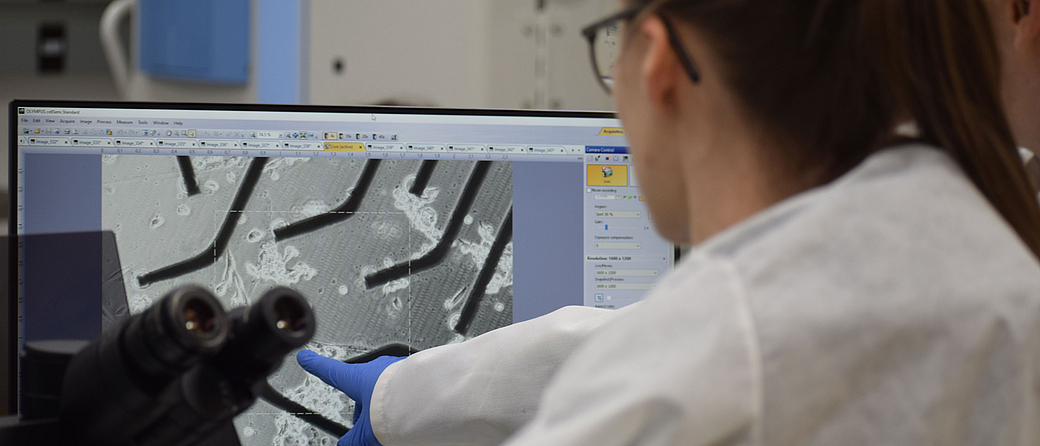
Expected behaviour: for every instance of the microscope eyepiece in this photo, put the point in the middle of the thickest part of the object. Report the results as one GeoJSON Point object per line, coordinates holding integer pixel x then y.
{"type": "Point", "coordinates": [290, 315]}
{"type": "Point", "coordinates": [277, 323]}
{"type": "Point", "coordinates": [199, 318]}
{"type": "Point", "coordinates": [185, 326]}
{"type": "Point", "coordinates": [112, 388]}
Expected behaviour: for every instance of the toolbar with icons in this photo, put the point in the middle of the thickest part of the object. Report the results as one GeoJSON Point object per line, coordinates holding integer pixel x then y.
{"type": "Point", "coordinates": [279, 142]}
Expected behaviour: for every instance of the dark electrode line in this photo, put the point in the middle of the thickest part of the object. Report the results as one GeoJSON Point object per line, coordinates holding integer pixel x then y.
{"type": "Point", "coordinates": [297, 410]}
{"type": "Point", "coordinates": [422, 179]}
{"type": "Point", "coordinates": [188, 173]}
{"type": "Point", "coordinates": [343, 212]}
{"type": "Point", "coordinates": [210, 255]}
{"type": "Point", "coordinates": [439, 252]}
{"type": "Point", "coordinates": [469, 310]}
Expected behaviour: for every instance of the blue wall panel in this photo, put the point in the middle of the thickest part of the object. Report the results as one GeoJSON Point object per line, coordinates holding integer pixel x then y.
{"type": "Point", "coordinates": [200, 40]}
{"type": "Point", "coordinates": [279, 43]}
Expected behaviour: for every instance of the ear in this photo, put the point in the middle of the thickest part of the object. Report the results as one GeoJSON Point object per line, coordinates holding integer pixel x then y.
{"type": "Point", "coordinates": [661, 69]}
{"type": "Point", "coordinates": [1026, 16]}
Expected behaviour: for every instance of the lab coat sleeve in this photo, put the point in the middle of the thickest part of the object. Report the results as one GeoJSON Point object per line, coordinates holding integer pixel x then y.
{"type": "Point", "coordinates": [478, 392]}
{"type": "Point", "coordinates": [683, 369]}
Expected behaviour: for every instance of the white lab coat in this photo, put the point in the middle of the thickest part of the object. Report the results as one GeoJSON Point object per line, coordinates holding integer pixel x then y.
{"type": "Point", "coordinates": [892, 306]}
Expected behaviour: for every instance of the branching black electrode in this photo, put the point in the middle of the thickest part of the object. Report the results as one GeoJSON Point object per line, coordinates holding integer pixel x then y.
{"type": "Point", "coordinates": [439, 252]}
{"type": "Point", "coordinates": [216, 249]}
{"type": "Point", "coordinates": [340, 213]}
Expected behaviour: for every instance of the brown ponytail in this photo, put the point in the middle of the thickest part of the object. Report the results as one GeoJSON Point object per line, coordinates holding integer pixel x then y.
{"type": "Point", "coordinates": [833, 76]}
{"type": "Point", "coordinates": [946, 67]}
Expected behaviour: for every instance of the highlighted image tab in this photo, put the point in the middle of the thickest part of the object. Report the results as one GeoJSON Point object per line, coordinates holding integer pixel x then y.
{"type": "Point", "coordinates": [608, 175]}
{"type": "Point", "coordinates": [345, 146]}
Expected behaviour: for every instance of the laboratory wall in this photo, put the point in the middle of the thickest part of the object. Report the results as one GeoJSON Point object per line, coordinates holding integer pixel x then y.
{"type": "Point", "coordinates": [454, 53]}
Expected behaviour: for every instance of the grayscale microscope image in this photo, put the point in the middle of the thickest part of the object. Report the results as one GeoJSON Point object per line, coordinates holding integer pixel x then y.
{"type": "Point", "coordinates": [387, 251]}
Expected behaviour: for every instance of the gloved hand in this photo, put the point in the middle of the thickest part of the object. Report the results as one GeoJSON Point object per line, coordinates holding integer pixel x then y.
{"type": "Point", "coordinates": [357, 381]}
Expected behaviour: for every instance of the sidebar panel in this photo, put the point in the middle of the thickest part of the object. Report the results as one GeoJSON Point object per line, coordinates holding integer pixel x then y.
{"type": "Point", "coordinates": [624, 255]}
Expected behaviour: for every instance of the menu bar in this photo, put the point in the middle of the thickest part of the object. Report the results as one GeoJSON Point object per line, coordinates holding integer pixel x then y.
{"type": "Point", "coordinates": [174, 116]}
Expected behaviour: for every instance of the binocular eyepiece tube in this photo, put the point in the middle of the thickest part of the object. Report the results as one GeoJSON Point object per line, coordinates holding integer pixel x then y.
{"type": "Point", "coordinates": [181, 369]}
{"type": "Point", "coordinates": [262, 334]}
{"type": "Point", "coordinates": [187, 325]}
{"type": "Point", "coordinates": [225, 385]}
{"type": "Point", "coordinates": [111, 387]}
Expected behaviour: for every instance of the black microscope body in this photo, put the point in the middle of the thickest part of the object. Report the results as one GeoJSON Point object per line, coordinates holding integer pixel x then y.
{"type": "Point", "coordinates": [174, 375]}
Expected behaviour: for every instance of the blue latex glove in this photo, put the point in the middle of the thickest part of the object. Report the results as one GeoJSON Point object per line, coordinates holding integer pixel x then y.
{"type": "Point", "coordinates": [357, 381]}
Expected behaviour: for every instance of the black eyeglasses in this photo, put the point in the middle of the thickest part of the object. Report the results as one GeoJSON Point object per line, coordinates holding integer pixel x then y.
{"type": "Point", "coordinates": [604, 45]}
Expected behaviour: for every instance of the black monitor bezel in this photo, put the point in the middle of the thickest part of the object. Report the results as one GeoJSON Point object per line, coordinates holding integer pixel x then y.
{"type": "Point", "coordinates": [12, 182]}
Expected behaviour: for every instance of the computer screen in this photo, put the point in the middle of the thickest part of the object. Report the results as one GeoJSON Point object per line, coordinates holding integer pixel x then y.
{"type": "Point", "coordinates": [400, 225]}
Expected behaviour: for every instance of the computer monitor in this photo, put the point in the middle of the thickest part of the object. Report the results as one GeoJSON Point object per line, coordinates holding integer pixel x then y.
{"type": "Point", "coordinates": [400, 225]}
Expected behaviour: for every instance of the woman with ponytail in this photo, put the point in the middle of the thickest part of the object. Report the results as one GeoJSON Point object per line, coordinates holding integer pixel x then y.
{"type": "Point", "coordinates": [864, 266]}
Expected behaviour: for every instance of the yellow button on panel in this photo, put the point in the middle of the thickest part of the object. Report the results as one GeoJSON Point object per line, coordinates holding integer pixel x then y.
{"type": "Point", "coordinates": [345, 146]}
{"type": "Point", "coordinates": [612, 131]}
{"type": "Point", "coordinates": [608, 175]}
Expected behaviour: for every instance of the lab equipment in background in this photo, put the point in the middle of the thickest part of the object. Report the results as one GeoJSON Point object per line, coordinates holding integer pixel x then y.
{"type": "Point", "coordinates": [463, 53]}
{"type": "Point", "coordinates": [195, 50]}
{"type": "Point", "coordinates": [196, 40]}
